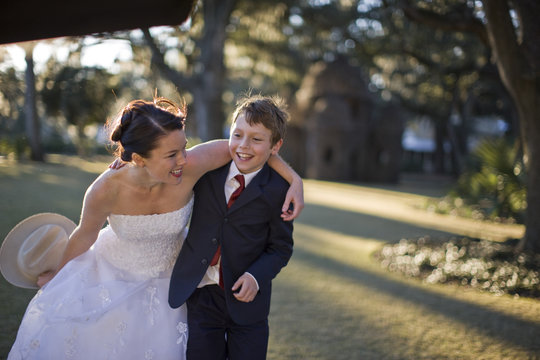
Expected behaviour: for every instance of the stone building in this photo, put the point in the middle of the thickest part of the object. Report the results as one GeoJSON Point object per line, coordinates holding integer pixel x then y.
{"type": "Point", "coordinates": [338, 130]}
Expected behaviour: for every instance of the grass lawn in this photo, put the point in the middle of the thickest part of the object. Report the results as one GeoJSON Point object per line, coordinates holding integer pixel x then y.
{"type": "Point", "coordinates": [28, 188]}
{"type": "Point", "coordinates": [333, 300]}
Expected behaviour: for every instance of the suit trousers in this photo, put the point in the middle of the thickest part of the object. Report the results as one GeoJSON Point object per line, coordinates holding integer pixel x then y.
{"type": "Point", "coordinates": [213, 335]}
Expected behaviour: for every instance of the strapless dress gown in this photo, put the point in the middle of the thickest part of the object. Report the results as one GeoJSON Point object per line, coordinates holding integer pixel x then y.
{"type": "Point", "coordinates": [111, 301]}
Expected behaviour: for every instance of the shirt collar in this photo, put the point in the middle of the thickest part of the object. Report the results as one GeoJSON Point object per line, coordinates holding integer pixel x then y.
{"type": "Point", "coordinates": [233, 171]}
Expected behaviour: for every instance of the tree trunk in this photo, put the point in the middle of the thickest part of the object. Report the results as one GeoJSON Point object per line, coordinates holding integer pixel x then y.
{"type": "Point", "coordinates": [210, 69]}
{"type": "Point", "coordinates": [517, 62]}
{"type": "Point", "coordinates": [82, 141]}
{"type": "Point", "coordinates": [206, 83]}
{"type": "Point", "coordinates": [531, 240]}
{"type": "Point", "coordinates": [440, 154]}
{"type": "Point", "coordinates": [32, 126]}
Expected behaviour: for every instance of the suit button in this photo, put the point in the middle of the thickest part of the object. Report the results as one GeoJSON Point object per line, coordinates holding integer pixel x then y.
{"type": "Point", "coordinates": [214, 241]}
{"type": "Point", "coordinates": [204, 261]}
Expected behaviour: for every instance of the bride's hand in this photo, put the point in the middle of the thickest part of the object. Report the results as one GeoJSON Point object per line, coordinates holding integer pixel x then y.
{"type": "Point", "coordinates": [294, 197]}
{"type": "Point", "coordinates": [44, 278]}
{"type": "Point", "coordinates": [117, 164]}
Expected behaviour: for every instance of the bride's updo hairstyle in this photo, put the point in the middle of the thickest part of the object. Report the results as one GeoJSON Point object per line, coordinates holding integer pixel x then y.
{"type": "Point", "coordinates": [141, 123]}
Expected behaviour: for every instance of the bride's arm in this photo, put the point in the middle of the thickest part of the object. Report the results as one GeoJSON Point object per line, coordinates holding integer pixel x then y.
{"type": "Point", "coordinates": [206, 156]}
{"type": "Point", "coordinates": [295, 194]}
{"type": "Point", "coordinates": [93, 216]}
{"type": "Point", "coordinates": [213, 154]}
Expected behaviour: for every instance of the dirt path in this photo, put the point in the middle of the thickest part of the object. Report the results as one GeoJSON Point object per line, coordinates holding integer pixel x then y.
{"type": "Point", "coordinates": [334, 302]}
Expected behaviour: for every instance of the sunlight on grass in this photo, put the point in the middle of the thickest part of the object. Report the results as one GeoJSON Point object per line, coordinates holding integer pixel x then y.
{"type": "Point", "coordinates": [404, 208]}
{"type": "Point", "coordinates": [96, 164]}
{"type": "Point", "coordinates": [50, 179]}
{"type": "Point", "coordinates": [14, 168]}
{"type": "Point", "coordinates": [341, 319]}
{"type": "Point", "coordinates": [356, 252]}
{"type": "Point", "coordinates": [333, 243]}
{"type": "Point", "coordinates": [346, 307]}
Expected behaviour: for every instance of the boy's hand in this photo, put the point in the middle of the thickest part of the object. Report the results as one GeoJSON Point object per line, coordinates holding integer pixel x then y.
{"type": "Point", "coordinates": [117, 164]}
{"type": "Point", "coordinates": [246, 287]}
{"type": "Point", "coordinates": [294, 197]}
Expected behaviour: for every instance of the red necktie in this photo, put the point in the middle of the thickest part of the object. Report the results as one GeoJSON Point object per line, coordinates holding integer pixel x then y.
{"type": "Point", "coordinates": [236, 193]}
{"type": "Point", "coordinates": [232, 199]}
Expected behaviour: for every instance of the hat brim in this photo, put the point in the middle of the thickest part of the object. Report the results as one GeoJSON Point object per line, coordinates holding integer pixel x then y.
{"type": "Point", "coordinates": [15, 239]}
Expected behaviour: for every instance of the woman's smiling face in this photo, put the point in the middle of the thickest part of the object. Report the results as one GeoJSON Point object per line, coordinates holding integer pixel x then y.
{"type": "Point", "coordinates": [167, 160]}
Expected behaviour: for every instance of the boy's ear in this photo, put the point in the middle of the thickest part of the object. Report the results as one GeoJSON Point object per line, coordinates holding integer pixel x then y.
{"type": "Point", "coordinates": [138, 160]}
{"type": "Point", "coordinates": [277, 146]}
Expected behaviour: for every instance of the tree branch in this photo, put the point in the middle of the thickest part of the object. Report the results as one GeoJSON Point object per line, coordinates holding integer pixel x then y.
{"type": "Point", "coordinates": [158, 60]}
{"type": "Point", "coordinates": [469, 66]}
{"type": "Point", "coordinates": [504, 43]}
{"type": "Point", "coordinates": [527, 14]}
{"type": "Point", "coordinates": [463, 20]}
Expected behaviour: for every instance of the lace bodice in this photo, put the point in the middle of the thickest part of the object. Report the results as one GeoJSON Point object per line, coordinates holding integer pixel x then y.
{"type": "Point", "coordinates": [144, 244]}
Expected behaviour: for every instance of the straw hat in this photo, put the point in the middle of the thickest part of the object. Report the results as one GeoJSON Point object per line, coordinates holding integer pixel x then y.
{"type": "Point", "coordinates": [34, 246]}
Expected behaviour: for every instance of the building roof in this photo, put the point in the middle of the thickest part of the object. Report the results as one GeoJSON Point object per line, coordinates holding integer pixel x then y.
{"type": "Point", "coordinates": [37, 19]}
{"type": "Point", "coordinates": [335, 78]}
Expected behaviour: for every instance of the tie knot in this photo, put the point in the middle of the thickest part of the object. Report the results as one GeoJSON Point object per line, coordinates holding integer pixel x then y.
{"type": "Point", "coordinates": [241, 180]}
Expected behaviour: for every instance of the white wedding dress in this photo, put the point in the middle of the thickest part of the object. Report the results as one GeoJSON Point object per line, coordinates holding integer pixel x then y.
{"type": "Point", "coordinates": [111, 301]}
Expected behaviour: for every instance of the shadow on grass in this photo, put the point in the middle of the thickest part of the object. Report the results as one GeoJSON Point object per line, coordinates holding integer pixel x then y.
{"type": "Point", "coordinates": [505, 328]}
{"type": "Point", "coordinates": [362, 225]}
{"type": "Point", "coordinates": [307, 325]}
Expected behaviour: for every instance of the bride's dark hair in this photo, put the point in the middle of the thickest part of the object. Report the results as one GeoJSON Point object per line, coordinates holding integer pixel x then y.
{"type": "Point", "coordinates": [140, 124]}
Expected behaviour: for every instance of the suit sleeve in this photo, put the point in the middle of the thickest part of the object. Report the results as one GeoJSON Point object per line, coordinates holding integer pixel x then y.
{"type": "Point", "coordinates": [279, 246]}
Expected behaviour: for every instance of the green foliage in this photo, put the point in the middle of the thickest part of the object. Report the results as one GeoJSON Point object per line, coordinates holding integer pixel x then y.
{"type": "Point", "coordinates": [82, 96]}
{"type": "Point", "coordinates": [11, 111]}
{"type": "Point", "coordinates": [495, 181]}
{"type": "Point", "coordinates": [56, 144]}
{"type": "Point", "coordinates": [13, 146]}
{"type": "Point", "coordinates": [492, 188]}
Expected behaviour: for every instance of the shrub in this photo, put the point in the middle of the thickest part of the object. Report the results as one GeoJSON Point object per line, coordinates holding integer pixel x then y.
{"type": "Point", "coordinates": [492, 188]}
{"type": "Point", "coordinates": [482, 264]}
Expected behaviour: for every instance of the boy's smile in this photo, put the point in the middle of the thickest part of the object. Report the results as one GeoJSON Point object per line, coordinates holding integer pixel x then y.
{"type": "Point", "coordinates": [250, 145]}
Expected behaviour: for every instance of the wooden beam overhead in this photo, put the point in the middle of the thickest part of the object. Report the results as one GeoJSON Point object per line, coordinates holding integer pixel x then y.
{"type": "Point", "coordinates": [37, 19]}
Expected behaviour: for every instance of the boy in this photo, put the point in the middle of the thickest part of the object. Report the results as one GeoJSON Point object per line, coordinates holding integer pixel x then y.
{"type": "Point", "coordinates": [235, 248]}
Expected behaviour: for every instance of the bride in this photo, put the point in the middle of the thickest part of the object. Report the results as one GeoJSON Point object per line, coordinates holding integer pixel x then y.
{"type": "Point", "coordinates": [108, 297]}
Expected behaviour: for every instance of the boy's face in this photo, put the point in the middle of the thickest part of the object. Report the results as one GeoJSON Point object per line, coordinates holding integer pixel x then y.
{"type": "Point", "coordinates": [250, 145]}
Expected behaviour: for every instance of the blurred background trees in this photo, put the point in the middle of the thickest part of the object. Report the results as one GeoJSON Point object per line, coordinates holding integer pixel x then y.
{"type": "Point", "coordinates": [455, 73]}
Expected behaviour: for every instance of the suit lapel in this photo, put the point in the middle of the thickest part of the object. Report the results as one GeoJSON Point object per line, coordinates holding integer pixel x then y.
{"type": "Point", "coordinates": [253, 190]}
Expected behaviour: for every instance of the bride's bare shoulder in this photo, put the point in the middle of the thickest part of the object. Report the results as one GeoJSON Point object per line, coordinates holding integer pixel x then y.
{"type": "Point", "coordinates": [108, 184]}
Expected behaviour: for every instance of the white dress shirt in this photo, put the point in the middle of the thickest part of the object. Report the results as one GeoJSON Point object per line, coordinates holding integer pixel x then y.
{"type": "Point", "coordinates": [231, 184]}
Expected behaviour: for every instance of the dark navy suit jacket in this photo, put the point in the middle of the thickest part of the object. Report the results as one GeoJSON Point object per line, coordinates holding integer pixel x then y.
{"type": "Point", "coordinates": [253, 238]}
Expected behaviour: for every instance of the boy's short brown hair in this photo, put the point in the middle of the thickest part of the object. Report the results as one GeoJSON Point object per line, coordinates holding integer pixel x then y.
{"type": "Point", "coordinates": [270, 111]}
